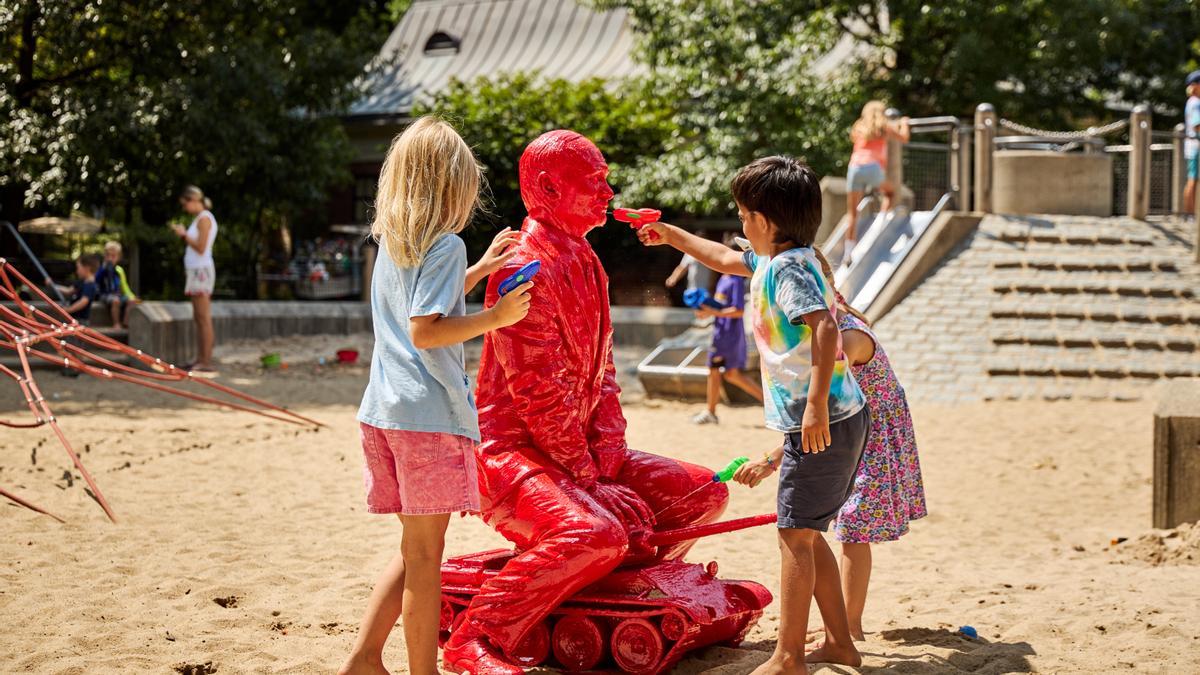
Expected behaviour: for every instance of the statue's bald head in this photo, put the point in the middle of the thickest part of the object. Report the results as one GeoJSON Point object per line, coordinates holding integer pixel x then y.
{"type": "Point", "coordinates": [564, 181]}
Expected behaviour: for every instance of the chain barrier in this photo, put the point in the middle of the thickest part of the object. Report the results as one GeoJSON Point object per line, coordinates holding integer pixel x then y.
{"type": "Point", "coordinates": [1090, 132]}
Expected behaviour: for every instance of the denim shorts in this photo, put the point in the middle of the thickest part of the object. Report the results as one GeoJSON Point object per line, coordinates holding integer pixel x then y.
{"type": "Point", "coordinates": [813, 486]}
{"type": "Point", "coordinates": [864, 177]}
{"type": "Point", "coordinates": [1193, 166]}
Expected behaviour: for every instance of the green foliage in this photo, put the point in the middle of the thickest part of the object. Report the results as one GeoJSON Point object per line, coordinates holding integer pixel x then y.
{"type": "Point", "coordinates": [499, 117]}
{"type": "Point", "coordinates": [117, 105]}
{"type": "Point", "coordinates": [741, 75]}
{"type": "Point", "coordinates": [1051, 63]}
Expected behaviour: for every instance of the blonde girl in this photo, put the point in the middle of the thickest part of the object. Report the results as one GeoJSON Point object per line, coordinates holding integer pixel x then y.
{"type": "Point", "coordinates": [418, 422]}
{"type": "Point", "coordinates": [201, 272]}
{"type": "Point", "coordinates": [868, 162]}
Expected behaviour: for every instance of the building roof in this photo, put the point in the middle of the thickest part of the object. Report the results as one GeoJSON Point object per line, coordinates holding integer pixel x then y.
{"type": "Point", "coordinates": [437, 40]}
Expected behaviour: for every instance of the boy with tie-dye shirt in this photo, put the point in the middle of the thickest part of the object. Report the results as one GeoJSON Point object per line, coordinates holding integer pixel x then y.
{"type": "Point", "coordinates": [810, 394]}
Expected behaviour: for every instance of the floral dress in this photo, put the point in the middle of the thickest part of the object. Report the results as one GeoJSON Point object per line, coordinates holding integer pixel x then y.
{"type": "Point", "coordinates": [888, 492]}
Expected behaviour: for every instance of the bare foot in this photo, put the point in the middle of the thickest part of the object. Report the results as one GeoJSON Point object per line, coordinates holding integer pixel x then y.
{"type": "Point", "coordinates": [828, 653]}
{"type": "Point", "coordinates": [856, 632]}
{"type": "Point", "coordinates": [358, 664]}
{"type": "Point", "coordinates": [781, 664]}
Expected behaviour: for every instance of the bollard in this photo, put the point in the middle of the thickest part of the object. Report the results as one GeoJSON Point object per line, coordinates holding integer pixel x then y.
{"type": "Point", "coordinates": [1178, 170]}
{"type": "Point", "coordinates": [895, 152]}
{"type": "Point", "coordinates": [962, 168]}
{"type": "Point", "coordinates": [1139, 162]}
{"type": "Point", "coordinates": [985, 135]}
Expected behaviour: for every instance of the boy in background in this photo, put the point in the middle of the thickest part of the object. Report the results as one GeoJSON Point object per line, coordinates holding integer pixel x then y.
{"type": "Point", "coordinates": [727, 352]}
{"type": "Point", "coordinates": [811, 395]}
{"type": "Point", "coordinates": [82, 294]}
{"type": "Point", "coordinates": [113, 286]}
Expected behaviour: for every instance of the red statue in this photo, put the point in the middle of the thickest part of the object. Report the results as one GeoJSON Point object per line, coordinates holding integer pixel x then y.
{"type": "Point", "coordinates": [557, 477]}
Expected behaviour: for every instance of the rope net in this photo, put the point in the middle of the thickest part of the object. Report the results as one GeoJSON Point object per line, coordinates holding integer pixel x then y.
{"type": "Point", "coordinates": [53, 336]}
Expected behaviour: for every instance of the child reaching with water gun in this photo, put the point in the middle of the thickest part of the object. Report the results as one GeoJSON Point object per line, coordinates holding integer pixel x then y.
{"type": "Point", "coordinates": [888, 491]}
{"type": "Point", "coordinates": [418, 421]}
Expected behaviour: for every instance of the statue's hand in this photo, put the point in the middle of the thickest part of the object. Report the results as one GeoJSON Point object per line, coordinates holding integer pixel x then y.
{"type": "Point", "coordinates": [624, 503]}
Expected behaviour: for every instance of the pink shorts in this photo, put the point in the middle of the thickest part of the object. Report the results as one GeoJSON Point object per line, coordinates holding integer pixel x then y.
{"type": "Point", "coordinates": [418, 473]}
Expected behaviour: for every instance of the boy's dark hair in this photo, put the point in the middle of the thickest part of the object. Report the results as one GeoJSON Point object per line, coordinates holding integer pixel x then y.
{"type": "Point", "coordinates": [91, 261]}
{"type": "Point", "coordinates": [786, 191]}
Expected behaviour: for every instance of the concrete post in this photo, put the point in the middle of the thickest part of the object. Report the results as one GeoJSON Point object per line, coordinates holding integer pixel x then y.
{"type": "Point", "coordinates": [369, 252]}
{"type": "Point", "coordinates": [961, 166]}
{"type": "Point", "coordinates": [1178, 170]}
{"type": "Point", "coordinates": [1139, 162]}
{"type": "Point", "coordinates": [985, 135]}
{"type": "Point", "coordinates": [895, 153]}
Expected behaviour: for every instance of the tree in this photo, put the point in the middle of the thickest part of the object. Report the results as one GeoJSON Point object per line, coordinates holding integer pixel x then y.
{"type": "Point", "coordinates": [741, 74]}
{"type": "Point", "coordinates": [117, 105]}
{"type": "Point", "coordinates": [499, 117]}
{"type": "Point", "coordinates": [1048, 62]}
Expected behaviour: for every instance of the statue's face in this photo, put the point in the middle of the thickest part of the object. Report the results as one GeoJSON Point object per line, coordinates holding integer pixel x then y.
{"type": "Point", "coordinates": [564, 182]}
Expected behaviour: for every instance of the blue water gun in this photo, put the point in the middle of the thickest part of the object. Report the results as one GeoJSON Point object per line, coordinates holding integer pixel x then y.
{"type": "Point", "coordinates": [527, 272]}
{"type": "Point", "coordinates": [695, 297]}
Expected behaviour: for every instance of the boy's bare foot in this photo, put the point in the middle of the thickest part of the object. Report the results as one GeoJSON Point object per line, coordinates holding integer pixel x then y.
{"type": "Point", "coordinates": [781, 664]}
{"type": "Point", "coordinates": [856, 632]}
{"type": "Point", "coordinates": [827, 653]}
{"type": "Point", "coordinates": [362, 665]}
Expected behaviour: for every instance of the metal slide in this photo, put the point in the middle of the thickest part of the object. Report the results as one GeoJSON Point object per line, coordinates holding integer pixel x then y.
{"type": "Point", "coordinates": [880, 251]}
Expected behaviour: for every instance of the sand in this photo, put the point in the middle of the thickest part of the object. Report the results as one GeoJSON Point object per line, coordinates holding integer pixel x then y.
{"type": "Point", "coordinates": [244, 545]}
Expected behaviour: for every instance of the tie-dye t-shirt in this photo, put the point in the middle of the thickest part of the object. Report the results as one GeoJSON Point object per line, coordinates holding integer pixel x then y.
{"type": "Point", "coordinates": [782, 290]}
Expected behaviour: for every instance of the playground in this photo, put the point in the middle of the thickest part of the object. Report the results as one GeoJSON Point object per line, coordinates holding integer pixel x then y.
{"type": "Point", "coordinates": [204, 569]}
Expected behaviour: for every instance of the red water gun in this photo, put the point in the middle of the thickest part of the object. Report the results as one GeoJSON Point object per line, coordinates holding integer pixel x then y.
{"type": "Point", "coordinates": [638, 217]}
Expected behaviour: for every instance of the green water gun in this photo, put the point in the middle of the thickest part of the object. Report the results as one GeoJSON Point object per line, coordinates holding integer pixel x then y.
{"type": "Point", "coordinates": [724, 475]}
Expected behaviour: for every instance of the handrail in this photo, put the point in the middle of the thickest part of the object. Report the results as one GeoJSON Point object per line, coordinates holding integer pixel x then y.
{"type": "Point", "coordinates": [33, 258]}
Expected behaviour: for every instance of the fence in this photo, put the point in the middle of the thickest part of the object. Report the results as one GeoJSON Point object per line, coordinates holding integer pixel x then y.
{"type": "Point", "coordinates": [932, 164]}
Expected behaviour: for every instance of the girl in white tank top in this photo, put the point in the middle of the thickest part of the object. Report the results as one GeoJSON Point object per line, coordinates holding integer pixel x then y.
{"type": "Point", "coordinates": [193, 260]}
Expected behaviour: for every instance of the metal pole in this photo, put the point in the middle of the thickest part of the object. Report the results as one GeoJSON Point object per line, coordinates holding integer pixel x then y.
{"type": "Point", "coordinates": [1178, 172]}
{"type": "Point", "coordinates": [1139, 162]}
{"type": "Point", "coordinates": [963, 176]}
{"type": "Point", "coordinates": [985, 135]}
{"type": "Point", "coordinates": [895, 153]}
{"type": "Point", "coordinates": [33, 258]}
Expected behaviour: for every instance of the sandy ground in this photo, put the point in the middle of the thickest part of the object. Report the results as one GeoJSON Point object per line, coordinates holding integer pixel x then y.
{"type": "Point", "coordinates": [244, 545]}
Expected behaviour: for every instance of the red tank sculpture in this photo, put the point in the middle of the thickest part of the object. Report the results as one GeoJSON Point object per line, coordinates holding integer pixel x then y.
{"type": "Point", "coordinates": [640, 619]}
{"type": "Point", "coordinates": [556, 475]}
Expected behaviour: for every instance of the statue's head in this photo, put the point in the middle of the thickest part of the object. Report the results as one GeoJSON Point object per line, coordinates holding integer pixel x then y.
{"type": "Point", "coordinates": [564, 182]}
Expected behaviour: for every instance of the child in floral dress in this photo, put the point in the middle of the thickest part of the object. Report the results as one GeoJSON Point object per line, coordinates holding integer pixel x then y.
{"type": "Point", "coordinates": [888, 492]}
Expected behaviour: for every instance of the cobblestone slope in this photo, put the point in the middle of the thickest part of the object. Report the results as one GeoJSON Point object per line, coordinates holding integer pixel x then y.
{"type": "Point", "coordinates": [1052, 307]}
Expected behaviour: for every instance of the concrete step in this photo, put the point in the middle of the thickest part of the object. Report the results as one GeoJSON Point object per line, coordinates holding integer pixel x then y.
{"type": "Point", "coordinates": [1159, 286]}
{"type": "Point", "coordinates": [1086, 263]}
{"type": "Point", "coordinates": [1163, 312]}
{"type": "Point", "coordinates": [1074, 238]}
{"type": "Point", "coordinates": [1016, 388]}
{"type": "Point", "coordinates": [1056, 362]}
{"type": "Point", "coordinates": [1091, 339]}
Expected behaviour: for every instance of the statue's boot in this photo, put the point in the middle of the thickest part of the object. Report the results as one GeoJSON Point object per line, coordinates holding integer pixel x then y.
{"type": "Point", "coordinates": [469, 651]}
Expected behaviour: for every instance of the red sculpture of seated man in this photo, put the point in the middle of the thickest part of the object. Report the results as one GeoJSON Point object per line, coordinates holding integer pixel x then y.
{"type": "Point", "coordinates": [557, 477]}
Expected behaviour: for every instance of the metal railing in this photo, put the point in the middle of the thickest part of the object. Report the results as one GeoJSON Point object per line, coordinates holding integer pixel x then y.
{"type": "Point", "coordinates": [1147, 168]}
{"type": "Point", "coordinates": [934, 166]}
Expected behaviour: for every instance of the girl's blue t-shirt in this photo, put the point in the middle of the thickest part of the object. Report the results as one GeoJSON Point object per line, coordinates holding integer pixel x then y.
{"type": "Point", "coordinates": [419, 389]}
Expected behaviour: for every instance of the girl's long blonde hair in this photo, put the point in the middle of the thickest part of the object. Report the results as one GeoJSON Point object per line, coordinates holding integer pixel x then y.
{"type": "Point", "coordinates": [429, 186]}
{"type": "Point", "coordinates": [872, 123]}
{"type": "Point", "coordinates": [843, 306]}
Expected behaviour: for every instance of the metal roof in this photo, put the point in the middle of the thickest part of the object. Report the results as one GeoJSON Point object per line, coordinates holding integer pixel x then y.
{"type": "Point", "coordinates": [559, 38]}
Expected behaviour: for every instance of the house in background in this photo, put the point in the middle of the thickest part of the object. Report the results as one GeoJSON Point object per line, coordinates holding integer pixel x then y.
{"type": "Point", "coordinates": [440, 40]}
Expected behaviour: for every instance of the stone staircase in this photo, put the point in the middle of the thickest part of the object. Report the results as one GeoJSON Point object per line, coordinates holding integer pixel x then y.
{"type": "Point", "coordinates": [100, 320]}
{"type": "Point", "coordinates": [1052, 307]}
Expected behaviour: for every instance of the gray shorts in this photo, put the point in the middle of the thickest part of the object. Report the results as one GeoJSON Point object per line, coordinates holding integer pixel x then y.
{"type": "Point", "coordinates": [813, 486]}
{"type": "Point", "coordinates": [864, 177]}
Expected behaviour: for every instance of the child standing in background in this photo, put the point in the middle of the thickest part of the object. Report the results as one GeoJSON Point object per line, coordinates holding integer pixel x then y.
{"type": "Point", "coordinates": [418, 421]}
{"type": "Point", "coordinates": [727, 352]}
